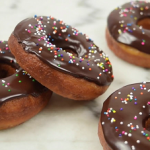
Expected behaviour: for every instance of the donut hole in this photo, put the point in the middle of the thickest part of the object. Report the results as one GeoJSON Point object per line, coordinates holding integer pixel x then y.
{"type": "Point", "coordinates": [6, 70]}
{"type": "Point", "coordinates": [147, 123]}
{"type": "Point", "coordinates": [145, 23]}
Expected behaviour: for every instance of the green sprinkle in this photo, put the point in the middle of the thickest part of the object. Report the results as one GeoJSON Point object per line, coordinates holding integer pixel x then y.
{"type": "Point", "coordinates": [49, 49]}
{"type": "Point", "coordinates": [3, 84]}
{"type": "Point", "coordinates": [20, 81]}
{"type": "Point", "coordinates": [146, 135]}
{"type": "Point", "coordinates": [59, 55]}
{"type": "Point", "coordinates": [58, 65]}
{"type": "Point", "coordinates": [33, 80]}
{"type": "Point", "coordinates": [9, 90]}
{"type": "Point", "coordinates": [16, 75]}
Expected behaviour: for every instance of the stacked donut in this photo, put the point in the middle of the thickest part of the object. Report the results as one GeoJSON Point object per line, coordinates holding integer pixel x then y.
{"type": "Point", "coordinates": [54, 57]}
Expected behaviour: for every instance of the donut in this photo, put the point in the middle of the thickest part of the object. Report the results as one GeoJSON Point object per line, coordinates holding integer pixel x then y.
{"type": "Point", "coordinates": [128, 33]}
{"type": "Point", "coordinates": [21, 96]}
{"type": "Point", "coordinates": [125, 122]}
{"type": "Point", "coordinates": [61, 58]}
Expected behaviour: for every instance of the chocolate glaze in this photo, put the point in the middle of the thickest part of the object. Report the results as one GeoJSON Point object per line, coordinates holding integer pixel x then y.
{"type": "Point", "coordinates": [19, 84]}
{"type": "Point", "coordinates": [122, 25]}
{"type": "Point", "coordinates": [130, 105]}
{"type": "Point", "coordinates": [46, 32]}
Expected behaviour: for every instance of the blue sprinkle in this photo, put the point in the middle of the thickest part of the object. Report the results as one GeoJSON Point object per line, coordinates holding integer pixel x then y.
{"type": "Point", "coordinates": [129, 24]}
{"type": "Point", "coordinates": [35, 16]}
{"type": "Point", "coordinates": [89, 47]}
{"type": "Point", "coordinates": [68, 34]}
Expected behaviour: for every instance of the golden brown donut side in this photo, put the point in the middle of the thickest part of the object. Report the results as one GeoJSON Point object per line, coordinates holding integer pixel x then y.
{"type": "Point", "coordinates": [19, 110]}
{"type": "Point", "coordinates": [101, 137]}
{"type": "Point", "coordinates": [128, 53]}
{"type": "Point", "coordinates": [75, 88]}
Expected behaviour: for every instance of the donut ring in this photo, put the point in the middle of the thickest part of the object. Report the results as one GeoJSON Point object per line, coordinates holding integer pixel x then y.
{"type": "Point", "coordinates": [127, 32]}
{"type": "Point", "coordinates": [124, 122]}
{"type": "Point", "coordinates": [59, 53]}
{"type": "Point", "coordinates": [21, 97]}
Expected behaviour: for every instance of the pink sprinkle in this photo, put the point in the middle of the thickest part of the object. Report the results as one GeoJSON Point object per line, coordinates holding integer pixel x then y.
{"type": "Point", "coordinates": [123, 132]}
{"type": "Point", "coordinates": [135, 117]}
{"type": "Point", "coordinates": [142, 43]}
{"type": "Point", "coordinates": [39, 39]}
{"type": "Point", "coordinates": [8, 83]}
{"type": "Point", "coordinates": [29, 31]}
{"type": "Point", "coordinates": [148, 103]}
{"type": "Point", "coordinates": [6, 48]}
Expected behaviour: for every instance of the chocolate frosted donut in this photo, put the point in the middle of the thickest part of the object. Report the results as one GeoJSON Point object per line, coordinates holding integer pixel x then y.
{"type": "Point", "coordinates": [21, 97]}
{"type": "Point", "coordinates": [62, 54]}
{"type": "Point", "coordinates": [125, 121]}
{"type": "Point", "coordinates": [128, 32]}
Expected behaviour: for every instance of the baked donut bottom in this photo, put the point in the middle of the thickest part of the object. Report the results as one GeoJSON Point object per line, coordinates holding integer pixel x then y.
{"type": "Point", "coordinates": [127, 53]}
{"type": "Point", "coordinates": [19, 110]}
{"type": "Point", "coordinates": [102, 138]}
{"type": "Point", "coordinates": [59, 82]}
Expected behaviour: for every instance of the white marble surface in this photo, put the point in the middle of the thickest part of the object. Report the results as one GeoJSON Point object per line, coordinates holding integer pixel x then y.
{"type": "Point", "coordinates": [66, 124]}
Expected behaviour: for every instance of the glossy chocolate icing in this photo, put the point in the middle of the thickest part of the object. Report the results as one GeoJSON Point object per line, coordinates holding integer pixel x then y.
{"type": "Point", "coordinates": [19, 84]}
{"type": "Point", "coordinates": [47, 38]}
{"type": "Point", "coordinates": [122, 25]}
{"type": "Point", "coordinates": [123, 117]}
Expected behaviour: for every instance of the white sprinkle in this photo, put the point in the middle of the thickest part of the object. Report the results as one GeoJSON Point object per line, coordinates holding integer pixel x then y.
{"type": "Point", "coordinates": [129, 134]}
{"type": "Point", "coordinates": [140, 113]}
{"type": "Point", "coordinates": [133, 147]}
{"type": "Point", "coordinates": [141, 13]}
{"type": "Point", "coordinates": [103, 123]}
{"type": "Point", "coordinates": [82, 67]}
{"type": "Point", "coordinates": [3, 81]}
{"type": "Point", "coordinates": [119, 92]}
{"type": "Point", "coordinates": [77, 64]}
{"type": "Point", "coordinates": [97, 77]}
{"type": "Point", "coordinates": [121, 122]}
{"type": "Point", "coordinates": [126, 142]}
{"type": "Point", "coordinates": [138, 141]}
{"type": "Point", "coordinates": [143, 106]}
{"type": "Point", "coordinates": [142, 132]}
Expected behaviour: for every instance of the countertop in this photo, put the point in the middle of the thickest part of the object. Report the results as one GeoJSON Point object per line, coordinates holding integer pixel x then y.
{"type": "Point", "coordinates": [66, 124]}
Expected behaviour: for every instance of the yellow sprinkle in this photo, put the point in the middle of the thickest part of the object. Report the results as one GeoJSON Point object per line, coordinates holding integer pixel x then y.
{"type": "Point", "coordinates": [119, 31]}
{"type": "Point", "coordinates": [135, 18]}
{"type": "Point", "coordinates": [141, 8]}
{"type": "Point", "coordinates": [114, 111]}
{"type": "Point", "coordinates": [121, 25]}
